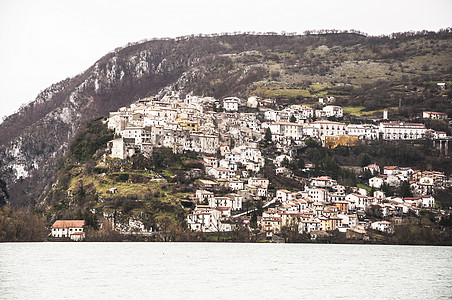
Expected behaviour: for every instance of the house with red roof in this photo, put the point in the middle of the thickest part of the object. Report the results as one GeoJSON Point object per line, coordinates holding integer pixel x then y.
{"type": "Point", "coordinates": [72, 229]}
{"type": "Point", "coordinates": [434, 115]}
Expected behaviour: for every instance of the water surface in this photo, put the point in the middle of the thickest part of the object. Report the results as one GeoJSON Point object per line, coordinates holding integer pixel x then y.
{"type": "Point", "coordinates": [223, 271]}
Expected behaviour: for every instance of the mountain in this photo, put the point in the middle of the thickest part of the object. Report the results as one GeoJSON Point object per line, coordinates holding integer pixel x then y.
{"type": "Point", "coordinates": [399, 72]}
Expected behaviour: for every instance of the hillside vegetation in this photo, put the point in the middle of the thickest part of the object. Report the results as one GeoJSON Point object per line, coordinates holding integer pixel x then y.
{"type": "Point", "coordinates": [363, 73]}
{"type": "Point", "coordinates": [140, 184]}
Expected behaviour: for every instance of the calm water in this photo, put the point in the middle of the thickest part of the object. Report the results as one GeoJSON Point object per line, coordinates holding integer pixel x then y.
{"type": "Point", "coordinates": [223, 270]}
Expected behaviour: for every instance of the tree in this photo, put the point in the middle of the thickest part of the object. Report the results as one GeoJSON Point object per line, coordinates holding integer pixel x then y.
{"type": "Point", "coordinates": [291, 234]}
{"type": "Point", "coordinates": [106, 233]}
{"type": "Point", "coordinates": [268, 135]}
{"type": "Point", "coordinates": [292, 119]}
{"type": "Point", "coordinates": [140, 162]}
{"type": "Point", "coordinates": [387, 189]}
{"type": "Point", "coordinates": [296, 166]}
{"type": "Point", "coordinates": [404, 189]}
{"type": "Point", "coordinates": [366, 174]}
{"type": "Point", "coordinates": [3, 193]}
{"type": "Point", "coordinates": [374, 211]}
{"type": "Point", "coordinates": [446, 221]}
{"type": "Point", "coordinates": [364, 159]}
{"type": "Point", "coordinates": [285, 163]}
{"type": "Point", "coordinates": [444, 198]}
{"type": "Point", "coordinates": [311, 143]}
{"type": "Point", "coordinates": [169, 229]}
{"type": "Point", "coordinates": [21, 226]}
{"type": "Point", "coordinates": [253, 220]}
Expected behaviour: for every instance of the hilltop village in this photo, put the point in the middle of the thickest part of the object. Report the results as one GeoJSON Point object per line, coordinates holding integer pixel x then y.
{"type": "Point", "coordinates": [229, 143]}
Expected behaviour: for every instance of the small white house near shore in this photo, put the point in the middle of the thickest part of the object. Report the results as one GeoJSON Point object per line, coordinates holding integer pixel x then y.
{"type": "Point", "coordinates": [72, 229]}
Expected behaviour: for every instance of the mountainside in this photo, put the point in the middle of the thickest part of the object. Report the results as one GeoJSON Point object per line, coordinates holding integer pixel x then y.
{"type": "Point", "coordinates": [398, 72]}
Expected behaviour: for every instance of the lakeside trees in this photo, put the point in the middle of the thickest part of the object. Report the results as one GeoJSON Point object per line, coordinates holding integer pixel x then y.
{"type": "Point", "coordinates": [21, 226]}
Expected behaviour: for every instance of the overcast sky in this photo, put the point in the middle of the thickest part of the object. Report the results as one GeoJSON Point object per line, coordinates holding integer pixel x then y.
{"type": "Point", "coordinates": [45, 41]}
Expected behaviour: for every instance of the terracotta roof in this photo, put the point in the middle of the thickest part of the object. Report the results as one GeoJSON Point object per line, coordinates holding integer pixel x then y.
{"type": "Point", "coordinates": [434, 112]}
{"type": "Point", "coordinates": [390, 167]}
{"type": "Point", "coordinates": [223, 208]}
{"type": "Point", "coordinates": [68, 223]}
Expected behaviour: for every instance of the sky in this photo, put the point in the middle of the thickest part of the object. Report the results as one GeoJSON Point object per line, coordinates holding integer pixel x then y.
{"type": "Point", "coordinates": [43, 42]}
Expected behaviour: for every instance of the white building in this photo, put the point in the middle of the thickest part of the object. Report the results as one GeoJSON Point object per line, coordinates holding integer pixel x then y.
{"type": "Point", "coordinates": [203, 195]}
{"type": "Point", "coordinates": [360, 201]}
{"type": "Point", "coordinates": [333, 111]}
{"type": "Point", "coordinates": [363, 131]}
{"type": "Point", "coordinates": [258, 181]}
{"type": "Point", "coordinates": [349, 220]}
{"type": "Point", "coordinates": [377, 181]}
{"type": "Point", "coordinates": [283, 195]}
{"type": "Point", "coordinates": [428, 202]}
{"type": "Point", "coordinates": [383, 226]}
{"type": "Point", "coordinates": [231, 104]}
{"type": "Point", "coordinates": [322, 128]}
{"type": "Point", "coordinates": [303, 112]}
{"type": "Point", "coordinates": [233, 201]}
{"type": "Point", "coordinates": [293, 131]}
{"type": "Point", "coordinates": [207, 219]}
{"type": "Point", "coordinates": [72, 229]}
{"type": "Point", "coordinates": [221, 173]}
{"type": "Point", "coordinates": [373, 168]}
{"type": "Point", "coordinates": [434, 115]}
{"type": "Point", "coordinates": [236, 185]}
{"type": "Point", "coordinates": [118, 149]}
{"type": "Point", "coordinates": [318, 194]}
{"type": "Point", "coordinates": [134, 133]}
{"type": "Point", "coordinates": [402, 131]}
{"type": "Point", "coordinates": [308, 226]}
{"type": "Point", "coordinates": [322, 181]}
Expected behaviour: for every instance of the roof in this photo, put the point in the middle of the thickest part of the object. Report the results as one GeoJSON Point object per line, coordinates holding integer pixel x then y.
{"type": "Point", "coordinates": [287, 123]}
{"type": "Point", "coordinates": [259, 178]}
{"type": "Point", "coordinates": [68, 223]}
{"type": "Point", "coordinates": [391, 167]}
{"type": "Point", "coordinates": [402, 124]}
{"type": "Point", "coordinates": [323, 178]}
{"type": "Point", "coordinates": [434, 112]}
{"type": "Point", "coordinates": [206, 192]}
{"type": "Point", "coordinates": [327, 122]}
{"type": "Point", "coordinates": [223, 208]}
{"type": "Point", "coordinates": [222, 169]}
{"type": "Point", "coordinates": [205, 181]}
{"type": "Point", "coordinates": [359, 195]}
{"type": "Point", "coordinates": [373, 166]}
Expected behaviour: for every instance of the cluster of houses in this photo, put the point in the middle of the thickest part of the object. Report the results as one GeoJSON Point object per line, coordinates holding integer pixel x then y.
{"type": "Point", "coordinates": [229, 140]}
{"type": "Point", "coordinates": [421, 182]}
{"type": "Point", "coordinates": [322, 206]}
{"type": "Point", "coordinates": [191, 124]}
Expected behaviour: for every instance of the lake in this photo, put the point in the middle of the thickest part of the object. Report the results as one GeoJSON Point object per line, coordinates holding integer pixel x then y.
{"type": "Point", "coordinates": [223, 271]}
